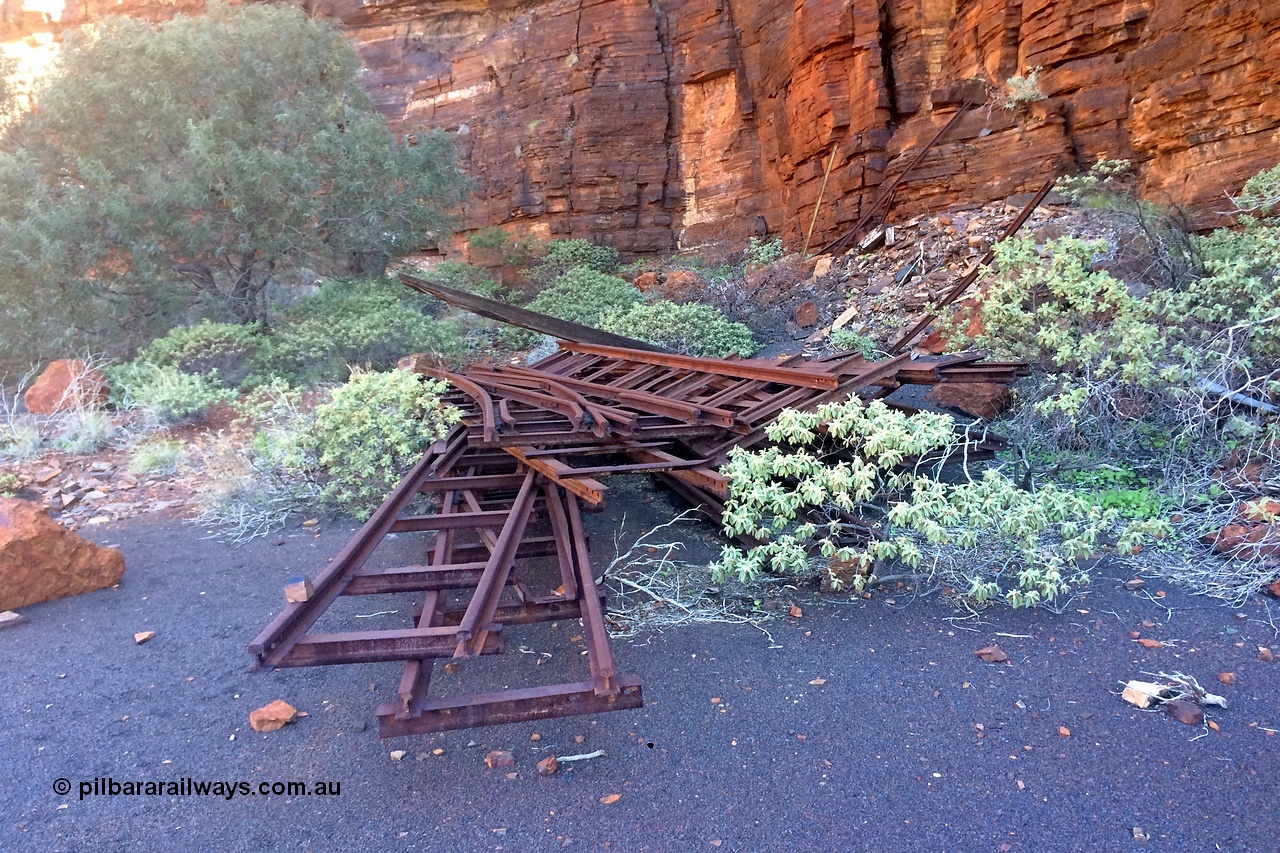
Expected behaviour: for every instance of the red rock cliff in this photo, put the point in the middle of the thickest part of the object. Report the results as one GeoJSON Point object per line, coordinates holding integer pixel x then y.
{"type": "Point", "coordinates": [651, 124]}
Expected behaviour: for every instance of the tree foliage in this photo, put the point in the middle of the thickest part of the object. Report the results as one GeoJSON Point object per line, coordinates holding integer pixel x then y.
{"type": "Point", "coordinates": [181, 170]}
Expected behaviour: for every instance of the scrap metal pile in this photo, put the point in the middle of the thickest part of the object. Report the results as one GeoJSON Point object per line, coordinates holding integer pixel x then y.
{"type": "Point", "coordinates": [507, 489]}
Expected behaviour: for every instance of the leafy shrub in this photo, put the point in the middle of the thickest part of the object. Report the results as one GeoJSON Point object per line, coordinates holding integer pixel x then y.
{"type": "Point", "coordinates": [1260, 195]}
{"type": "Point", "coordinates": [690, 328]}
{"type": "Point", "coordinates": [369, 434]}
{"type": "Point", "coordinates": [565, 255]}
{"type": "Point", "coordinates": [1098, 185]}
{"type": "Point", "coordinates": [761, 253]}
{"type": "Point", "coordinates": [368, 323]}
{"type": "Point", "coordinates": [1023, 89]}
{"type": "Point", "coordinates": [224, 352]}
{"type": "Point", "coordinates": [584, 295]}
{"type": "Point", "coordinates": [165, 395]}
{"type": "Point", "coordinates": [493, 237]}
{"type": "Point", "coordinates": [8, 485]}
{"type": "Point", "coordinates": [847, 339]}
{"type": "Point", "coordinates": [464, 277]}
{"type": "Point", "coordinates": [805, 506]}
{"type": "Point", "coordinates": [20, 439]}
{"type": "Point", "coordinates": [1091, 336]}
{"type": "Point", "coordinates": [85, 431]}
{"type": "Point", "coordinates": [157, 457]}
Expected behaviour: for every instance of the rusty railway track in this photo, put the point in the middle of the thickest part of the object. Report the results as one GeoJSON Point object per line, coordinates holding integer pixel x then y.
{"type": "Point", "coordinates": [508, 487]}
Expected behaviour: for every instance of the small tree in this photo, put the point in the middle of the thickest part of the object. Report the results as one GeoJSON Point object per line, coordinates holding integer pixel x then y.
{"type": "Point", "coordinates": [181, 169]}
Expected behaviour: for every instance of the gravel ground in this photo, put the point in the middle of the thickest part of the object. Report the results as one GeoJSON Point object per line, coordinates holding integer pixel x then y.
{"type": "Point", "coordinates": [738, 747]}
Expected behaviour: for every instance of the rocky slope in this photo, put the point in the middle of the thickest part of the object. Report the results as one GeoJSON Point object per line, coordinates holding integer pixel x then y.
{"type": "Point", "coordinates": [652, 124]}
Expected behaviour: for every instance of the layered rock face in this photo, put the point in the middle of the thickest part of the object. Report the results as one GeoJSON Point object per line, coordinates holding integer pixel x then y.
{"type": "Point", "coordinates": [652, 124]}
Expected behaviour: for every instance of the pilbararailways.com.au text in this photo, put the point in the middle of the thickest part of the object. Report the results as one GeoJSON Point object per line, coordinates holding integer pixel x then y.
{"type": "Point", "coordinates": [106, 786]}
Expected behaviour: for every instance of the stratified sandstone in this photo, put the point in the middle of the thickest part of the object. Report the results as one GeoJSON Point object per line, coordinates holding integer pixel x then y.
{"type": "Point", "coordinates": [650, 124]}
{"type": "Point", "coordinates": [40, 560]}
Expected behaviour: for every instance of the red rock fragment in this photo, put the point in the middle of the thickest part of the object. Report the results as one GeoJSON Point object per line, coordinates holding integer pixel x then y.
{"type": "Point", "coordinates": [992, 654]}
{"type": "Point", "coordinates": [1187, 713]}
{"type": "Point", "coordinates": [499, 758]}
{"type": "Point", "coordinates": [270, 717]}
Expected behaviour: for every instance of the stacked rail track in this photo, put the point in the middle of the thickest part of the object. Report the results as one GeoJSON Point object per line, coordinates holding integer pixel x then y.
{"type": "Point", "coordinates": [506, 491]}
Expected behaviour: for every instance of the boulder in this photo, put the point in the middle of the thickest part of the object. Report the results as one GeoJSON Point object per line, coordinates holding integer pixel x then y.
{"type": "Point", "coordinates": [66, 384]}
{"type": "Point", "coordinates": [41, 560]}
{"type": "Point", "coordinates": [681, 285]}
{"type": "Point", "coordinates": [418, 362]}
{"type": "Point", "coordinates": [979, 399]}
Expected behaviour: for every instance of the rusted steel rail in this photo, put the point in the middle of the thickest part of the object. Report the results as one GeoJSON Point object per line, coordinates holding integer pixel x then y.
{"type": "Point", "coordinates": [971, 276]}
{"type": "Point", "coordinates": [504, 495]}
{"type": "Point", "coordinates": [880, 207]}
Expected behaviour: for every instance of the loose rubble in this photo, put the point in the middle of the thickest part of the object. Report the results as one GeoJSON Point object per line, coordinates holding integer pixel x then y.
{"type": "Point", "coordinates": [907, 266]}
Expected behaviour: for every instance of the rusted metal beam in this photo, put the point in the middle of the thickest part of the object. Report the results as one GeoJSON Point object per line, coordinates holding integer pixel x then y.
{"type": "Point", "coordinates": [745, 368]}
{"type": "Point", "coordinates": [381, 646]}
{"type": "Point", "coordinates": [524, 318]}
{"type": "Point", "coordinates": [881, 205]}
{"type": "Point", "coordinates": [590, 490]}
{"type": "Point", "coordinates": [524, 705]}
{"type": "Point", "coordinates": [970, 277]}
{"type": "Point", "coordinates": [476, 623]}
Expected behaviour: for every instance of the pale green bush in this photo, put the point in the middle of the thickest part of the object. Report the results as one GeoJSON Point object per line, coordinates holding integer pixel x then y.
{"type": "Point", "coordinates": [1084, 329]}
{"type": "Point", "coordinates": [690, 328]}
{"type": "Point", "coordinates": [761, 253]}
{"type": "Point", "coordinates": [165, 395]}
{"type": "Point", "coordinates": [564, 255]}
{"type": "Point", "coordinates": [1023, 89]}
{"type": "Point", "coordinates": [370, 323]}
{"type": "Point", "coordinates": [584, 295]}
{"type": "Point", "coordinates": [161, 456]}
{"type": "Point", "coordinates": [222, 352]}
{"type": "Point", "coordinates": [84, 431]}
{"type": "Point", "coordinates": [847, 339]}
{"type": "Point", "coordinates": [832, 492]}
{"type": "Point", "coordinates": [370, 433]}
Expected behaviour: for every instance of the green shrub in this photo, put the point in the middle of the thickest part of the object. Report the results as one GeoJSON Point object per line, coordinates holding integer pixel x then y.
{"type": "Point", "coordinates": [849, 340]}
{"type": "Point", "coordinates": [1260, 196]}
{"type": "Point", "coordinates": [1088, 333]}
{"type": "Point", "coordinates": [223, 352]}
{"type": "Point", "coordinates": [464, 277]}
{"type": "Point", "coordinates": [371, 323]}
{"type": "Point", "coordinates": [565, 255]}
{"type": "Point", "coordinates": [85, 431]}
{"type": "Point", "coordinates": [1023, 89]}
{"type": "Point", "coordinates": [8, 485]}
{"type": "Point", "coordinates": [20, 440]}
{"type": "Point", "coordinates": [691, 328]}
{"type": "Point", "coordinates": [165, 395]}
{"type": "Point", "coordinates": [761, 253]}
{"type": "Point", "coordinates": [1099, 185]}
{"type": "Point", "coordinates": [493, 237]}
{"type": "Point", "coordinates": [584, 295]}
{"type": "Point", "coordinates": [157, 457]}
{"type": "Point", "coordinates": [371, 432]}
{"type": "Point", "coordinates": [802, 499]}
